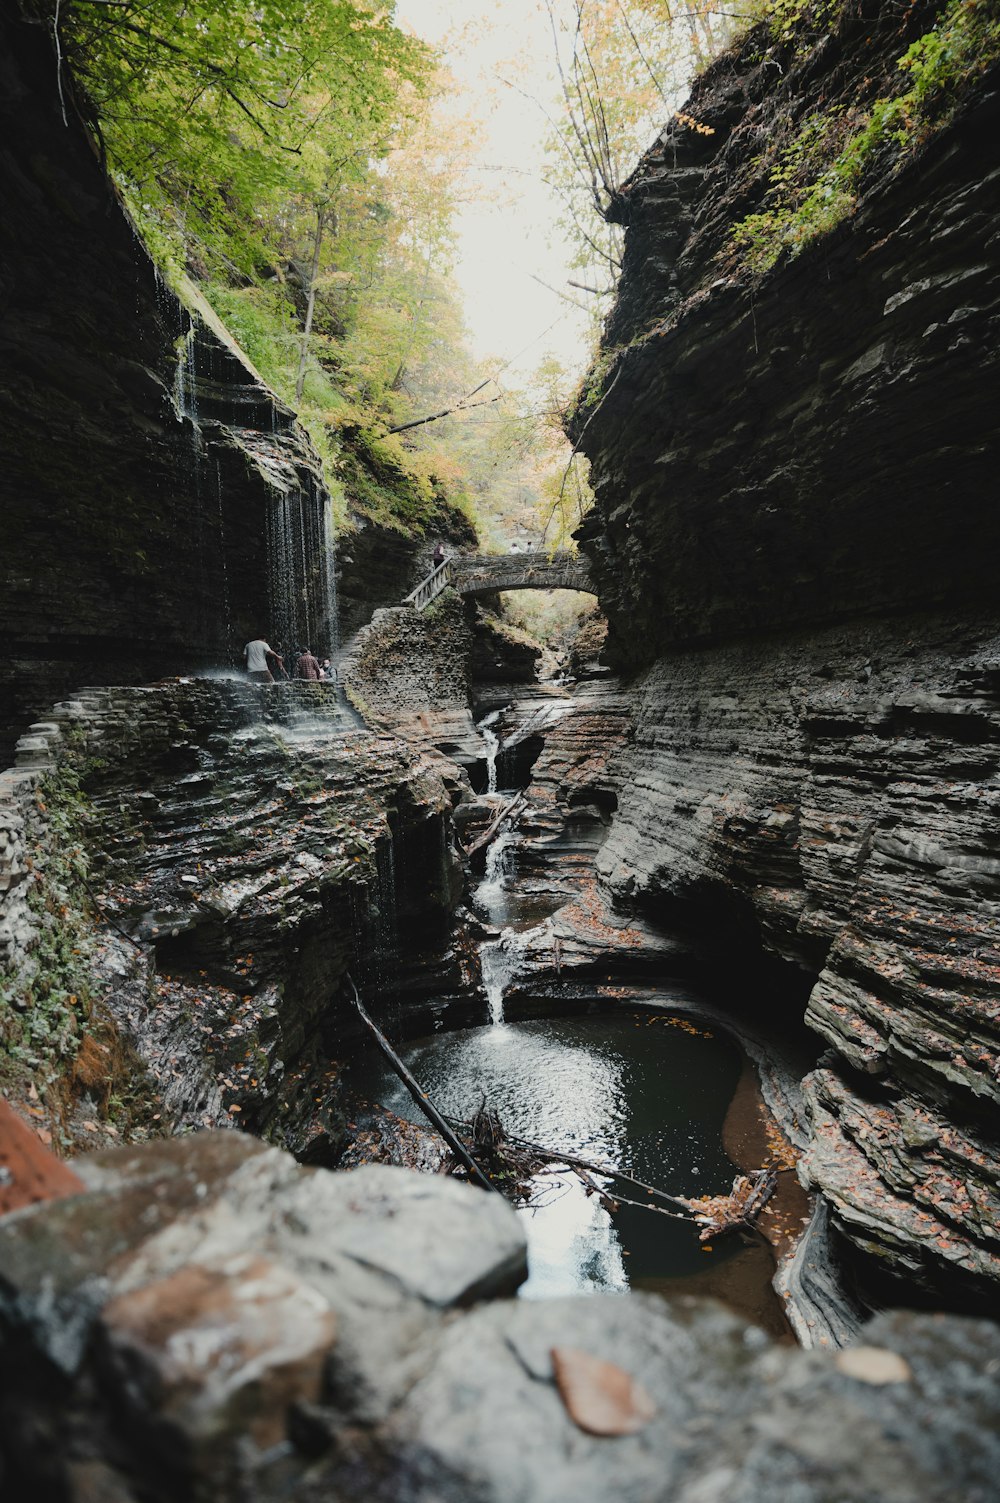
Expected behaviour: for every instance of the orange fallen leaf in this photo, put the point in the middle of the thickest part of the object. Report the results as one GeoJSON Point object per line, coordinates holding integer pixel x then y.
{"type": "Point", "coordinates": [600, 1398]}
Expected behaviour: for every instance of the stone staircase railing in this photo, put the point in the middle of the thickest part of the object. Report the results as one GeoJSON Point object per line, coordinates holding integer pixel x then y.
{"type": "Point", "coordinates": [430, 588]}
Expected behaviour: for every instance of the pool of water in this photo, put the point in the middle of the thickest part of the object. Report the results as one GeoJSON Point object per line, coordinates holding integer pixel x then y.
{"type": "Point", "coordinates": [637, 1090]}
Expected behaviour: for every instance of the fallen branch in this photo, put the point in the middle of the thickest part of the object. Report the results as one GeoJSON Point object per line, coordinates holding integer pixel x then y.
{"type": "Point", "coordinates": [421, 1099]}
{"type": "Point", "coordinates": [715, 1215]}
{"type": "Point", "coordinates": [507, 812]}
{"type": "Point", "coordinates": [607, 1171]}
{"type": "Point", "coordinates": [613, 1202]}
{"type": "Point", "coordinates": [718, 1214]}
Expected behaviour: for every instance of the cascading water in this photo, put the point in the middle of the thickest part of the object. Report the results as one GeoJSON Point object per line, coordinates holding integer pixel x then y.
{"type": "Point", "coordinates": [491, 892]}
{"type": "Point", "coordinates": [186, 384]}
{"type": "Point", "coordinates": [375, 928]}
{"type": "Point", "coordinates": [227, 611]}
{"type": "Point", "coordinates": [492, 743]}
{"type": "Point", "coordinates": [496, 959]}
{"type": "Point", "coordinates": [328, 555]}
{"type": "Point", "coordinates": [302, 570]}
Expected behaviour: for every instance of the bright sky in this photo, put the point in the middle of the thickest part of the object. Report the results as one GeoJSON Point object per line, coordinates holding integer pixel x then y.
{"type": "Point", "coordinates": [505, 232]}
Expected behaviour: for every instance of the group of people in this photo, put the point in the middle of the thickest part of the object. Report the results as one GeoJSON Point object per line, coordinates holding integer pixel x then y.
{"type": "Point", "coordinates": [266, 665]}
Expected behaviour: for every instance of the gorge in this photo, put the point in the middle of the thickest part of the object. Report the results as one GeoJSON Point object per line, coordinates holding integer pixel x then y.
{"type": "Point", "coordinates": [769, 812]}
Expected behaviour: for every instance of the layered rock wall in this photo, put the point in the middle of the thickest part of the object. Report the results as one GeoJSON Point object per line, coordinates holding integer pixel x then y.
{"type": "Point", "coordinates": [820, 442]}
{"type": "Point", "coordinates": [772, 456]}
{"type": "Point", "coordinates": [145, 464]}
{"type": "Point", "coordinates": [239, 851]}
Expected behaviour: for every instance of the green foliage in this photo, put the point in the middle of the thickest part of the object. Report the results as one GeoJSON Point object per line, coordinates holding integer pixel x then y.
{"type": "Point", "coordinates": [43, 1016]}
{"type": "Point", "coordinates": [786, 17]}
{"type": "Point", "coordinates": [384, 483]}
{"type": "Point", "coordinates": [817, 177]}
{"type": "Point", "coordinates": [551, 617]}
{"type": "Point", "coordinates": [214, 114]}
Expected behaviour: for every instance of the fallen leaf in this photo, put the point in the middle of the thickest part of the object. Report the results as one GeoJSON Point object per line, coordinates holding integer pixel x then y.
{"type": "Point", "coordinates": [600, 1398]}
{"type": "Point", "coordinates": [873, 1364]}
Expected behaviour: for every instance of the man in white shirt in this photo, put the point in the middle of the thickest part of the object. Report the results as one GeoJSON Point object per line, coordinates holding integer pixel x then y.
{"type": "Point", "coordinates": [255, 655]}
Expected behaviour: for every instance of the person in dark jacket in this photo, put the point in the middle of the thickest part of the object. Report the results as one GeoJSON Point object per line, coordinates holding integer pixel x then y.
{"type": "Point", "coordinates": [306, 666]}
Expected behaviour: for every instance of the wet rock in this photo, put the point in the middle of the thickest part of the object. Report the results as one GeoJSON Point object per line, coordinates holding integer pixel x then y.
{"type": "Point", "coordinates": [837, 829]}
{"type": "Point", "coordinates": [212, 1321]}
{"type": "Point", "coordinates": [215, 1349]}
{"type": "Point", "coordinates": [248, 849]}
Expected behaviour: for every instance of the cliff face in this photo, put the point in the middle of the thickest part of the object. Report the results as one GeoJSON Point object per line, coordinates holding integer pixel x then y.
{"type": "Point", "coordinates": [794, 538]}
{"type": "Point", "coordinates": [145, 464]}
{"type": "Point", "coordinates": [240, 850]}
{"type": "Point", "coordinates": [821, 443]}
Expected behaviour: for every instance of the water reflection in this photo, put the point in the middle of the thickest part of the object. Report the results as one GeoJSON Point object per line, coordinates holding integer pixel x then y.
{"type": "Point", "coordinates": [629, 1090]}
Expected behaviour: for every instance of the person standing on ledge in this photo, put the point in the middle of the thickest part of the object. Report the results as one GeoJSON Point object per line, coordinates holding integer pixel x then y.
{"type": "Point", "coordinates": [306, 666]}
{"type": "Point", "coordinates": [255, 656]}
{"type": "Point", "coordinates": [438, 554]}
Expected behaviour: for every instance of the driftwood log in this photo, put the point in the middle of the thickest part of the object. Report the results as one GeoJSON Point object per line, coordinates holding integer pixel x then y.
{"type": "Point", "coordinates": [507, 812]}
{"type": "Point", "coordinates": [718, 1214]}
{"type": "Point", "coordinates": [714, 1215]}
{"type": "Point", "coordinates": [420, 1098]}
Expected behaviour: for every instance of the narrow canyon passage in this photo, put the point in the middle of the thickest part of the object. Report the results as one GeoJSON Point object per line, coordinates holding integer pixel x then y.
{"type": "Point", "coordinates": [617, 736]}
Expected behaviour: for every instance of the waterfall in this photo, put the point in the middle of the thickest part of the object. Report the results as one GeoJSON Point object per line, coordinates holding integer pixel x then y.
{"type": "Point", "coordinates": [328, 554]}
{"type": "Point", "coordinates": [302, 573]}
{"type": "Point", "coordinates": [227, 612]}
{"type": "Point", "coordinates": [186, 384]}
{"type": "Point", "coordinates": [496, 959]}
{"type": "Point", "coordinates": [374, 927]}
{"type": "Point", "coordinates": [492, 743]}
{"type": "Point", "coordinates": [499, 863]}
{"type": "Point", "coordinates": [385, 929]}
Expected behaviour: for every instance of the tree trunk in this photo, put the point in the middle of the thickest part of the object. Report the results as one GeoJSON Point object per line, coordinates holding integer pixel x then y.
{"type": "Point", "coordinates": [300, 378]}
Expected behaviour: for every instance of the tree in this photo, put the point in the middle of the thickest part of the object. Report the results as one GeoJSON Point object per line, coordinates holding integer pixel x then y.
{"type": "Point", "coordinates": [623, 67]}
{"type": "Point", "coordinates": [214, 114]}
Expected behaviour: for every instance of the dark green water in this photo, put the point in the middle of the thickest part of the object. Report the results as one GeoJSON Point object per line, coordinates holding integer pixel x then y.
{"type": "Point", "coordinates": [633, 1090]}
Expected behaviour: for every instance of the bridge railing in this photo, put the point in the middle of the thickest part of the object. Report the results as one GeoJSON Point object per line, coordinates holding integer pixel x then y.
{"type": "Point", "coordinates": [428, 589]}
{"type": "Point", "coordinates": [486, 573]}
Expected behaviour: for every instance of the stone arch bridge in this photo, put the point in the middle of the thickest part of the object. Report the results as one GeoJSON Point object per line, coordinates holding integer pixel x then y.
{"type": "Point", "coordinates": [485, 573]}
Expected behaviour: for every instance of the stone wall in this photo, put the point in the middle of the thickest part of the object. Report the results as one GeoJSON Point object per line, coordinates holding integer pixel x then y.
{"type": "Point", "coordinates": [144, 462]}
{"type": "Point", "coordinates": [409, 670]}
{"type": "Point", "coordinates": [793, 540]}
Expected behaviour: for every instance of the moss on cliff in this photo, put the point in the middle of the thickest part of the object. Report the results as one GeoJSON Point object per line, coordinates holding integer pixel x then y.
{"type": "Point", "coordinates": [59, 1044]}
{"type": "Point", "coordinates": [385, 484]}
{"type": "Point", "coordinates": [817, 166]}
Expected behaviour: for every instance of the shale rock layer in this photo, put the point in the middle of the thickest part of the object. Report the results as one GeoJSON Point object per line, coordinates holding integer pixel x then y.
{"type": "Point", "coordinates": [773, 455]}
{"type": "Point", "coordinates": [821, 442]}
